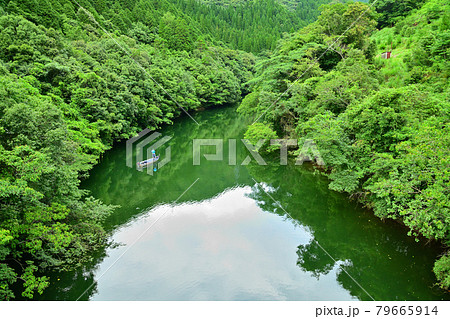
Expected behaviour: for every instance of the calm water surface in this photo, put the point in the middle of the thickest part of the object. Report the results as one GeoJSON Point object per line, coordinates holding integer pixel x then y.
{"type": "Point", "coordinates": [226, 239]}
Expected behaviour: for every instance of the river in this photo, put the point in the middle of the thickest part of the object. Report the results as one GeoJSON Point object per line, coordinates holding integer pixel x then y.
{"type": "Point", "coordinates": [226, 238]}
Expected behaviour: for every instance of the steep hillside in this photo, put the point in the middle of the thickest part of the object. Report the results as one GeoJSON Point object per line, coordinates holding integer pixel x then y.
{"type": "Point", "coordinates": [68, 90]}
{"type": "Point", "coordinates": [381, 126]}
{"type": "Point", "coordinates": [252, 26]}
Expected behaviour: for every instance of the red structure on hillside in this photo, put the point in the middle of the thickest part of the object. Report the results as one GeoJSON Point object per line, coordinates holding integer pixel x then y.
{"type": "Point", "coordinates": [386, 55]}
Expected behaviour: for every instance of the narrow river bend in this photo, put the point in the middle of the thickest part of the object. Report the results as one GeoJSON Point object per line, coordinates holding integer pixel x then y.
{"type": "Point", "coordinates": [226, 238]}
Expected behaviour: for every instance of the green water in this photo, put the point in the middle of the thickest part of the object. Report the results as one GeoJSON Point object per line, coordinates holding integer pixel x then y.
{"type": "Point", "coordinates": [226, 238]}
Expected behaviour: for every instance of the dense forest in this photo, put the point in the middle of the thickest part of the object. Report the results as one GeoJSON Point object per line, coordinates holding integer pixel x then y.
{"type": "Point", "coordinates": [75, 76]}
{"type": "Point", "coordinates": [252, 26]}
{"type": "Point", "coordinates": [381, 126]}
{"type": "Point", "coordinates": [67, 91]}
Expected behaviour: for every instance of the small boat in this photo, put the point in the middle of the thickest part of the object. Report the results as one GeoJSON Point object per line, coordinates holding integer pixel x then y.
{"type": "Point", "coordinates": [147, 162]}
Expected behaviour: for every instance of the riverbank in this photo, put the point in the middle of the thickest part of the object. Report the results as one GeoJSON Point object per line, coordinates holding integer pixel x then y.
{"type": "Point", "coordinates": [226, 239]}
{"type": "Point", "coordinates": [381, 126]}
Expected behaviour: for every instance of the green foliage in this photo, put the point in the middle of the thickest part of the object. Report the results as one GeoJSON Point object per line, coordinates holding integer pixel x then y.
{"type": "Point", "coordinates": [176, 32]}
{"type": "Point", "coordinates": [442, 271]}
{"type": "Point", "coordinates": [414, 184]}
{"type": "Point", "coordinates": [249, 103]}
{"type": "Point", "coordinates": [336, 19]}
{"type": "Point", "coordinates": [381, 126]}
{"type": "Point", "coordinates": [31, 282]}
{"type": "Point", "coordinates": [68, 91]}
{"type": "Point", "coordinates": [391, 11]}
{"type": "Point", "coordinates": [254, 25]}
{"type": "Point", "coordinates": [259, 131]}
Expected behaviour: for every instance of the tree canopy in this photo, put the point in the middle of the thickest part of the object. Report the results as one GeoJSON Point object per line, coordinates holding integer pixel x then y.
{"type": "Point", "coordinates": [381, 125]}
{"type": "Point", "coordinates": [68, 90]}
